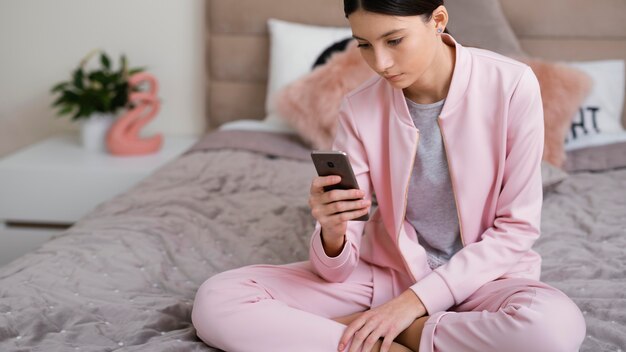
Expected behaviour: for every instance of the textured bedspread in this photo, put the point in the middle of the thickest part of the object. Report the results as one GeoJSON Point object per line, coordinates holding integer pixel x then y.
{"type": "Point", "coordinates": [125, 276]}
{"type": "Point", "coordinates": [583, 245]}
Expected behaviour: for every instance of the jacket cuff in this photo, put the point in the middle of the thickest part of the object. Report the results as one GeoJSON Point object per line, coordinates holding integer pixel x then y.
{"type": "Point", "coordinates": [323, 258]}
{"type": "Point", "coordinates": [434, 293]}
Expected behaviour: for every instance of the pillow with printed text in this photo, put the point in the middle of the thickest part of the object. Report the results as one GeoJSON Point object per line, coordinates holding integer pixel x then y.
{"type": "Point", "coordinates": [598, 120]}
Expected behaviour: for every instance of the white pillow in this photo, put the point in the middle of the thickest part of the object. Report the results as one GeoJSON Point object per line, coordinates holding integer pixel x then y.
{"type": "Point", "coordinates": [256, 125]}
{"type": "Point", "coordinates": [599, 118]}
{"type": "Point", "coordinates": [294, 47]}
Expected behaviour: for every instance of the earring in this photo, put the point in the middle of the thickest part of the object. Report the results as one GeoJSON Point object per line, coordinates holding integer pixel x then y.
{"type": "Point", "coordinates": [439, 30]}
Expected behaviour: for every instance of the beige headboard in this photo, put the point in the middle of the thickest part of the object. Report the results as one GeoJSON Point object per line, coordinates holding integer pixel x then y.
{"type": "Point", "coordinates": [237, 41]}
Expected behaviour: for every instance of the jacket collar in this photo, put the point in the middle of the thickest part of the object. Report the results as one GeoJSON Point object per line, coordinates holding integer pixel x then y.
{"type": "Point", "coordinates": [458, 84]}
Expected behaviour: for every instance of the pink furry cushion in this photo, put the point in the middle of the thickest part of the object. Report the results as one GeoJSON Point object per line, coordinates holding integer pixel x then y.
{"type": "Point", "coordinates": [563, 90]}
{"type": "Point", "coordinates": [311, 104]}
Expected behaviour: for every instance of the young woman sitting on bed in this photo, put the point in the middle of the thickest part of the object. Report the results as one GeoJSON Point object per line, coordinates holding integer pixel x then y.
{"type": "Point", "coordinates": [450, 140]}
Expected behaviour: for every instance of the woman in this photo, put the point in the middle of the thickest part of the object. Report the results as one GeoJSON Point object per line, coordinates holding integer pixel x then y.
{"type": "Point", "coordinates": [450, 140]}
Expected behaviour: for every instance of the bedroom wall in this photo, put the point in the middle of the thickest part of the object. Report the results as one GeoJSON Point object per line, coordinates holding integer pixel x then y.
{"type": "Point", "coordinates": [42, 41]}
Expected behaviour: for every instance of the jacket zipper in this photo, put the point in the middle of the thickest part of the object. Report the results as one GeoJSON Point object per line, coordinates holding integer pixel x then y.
{"type": "Point", "coordinates": [406, 194]}
{"type": "Point", "coordinates": [406, 198]}
{"type": "Point", "coordinates": [456, 204]}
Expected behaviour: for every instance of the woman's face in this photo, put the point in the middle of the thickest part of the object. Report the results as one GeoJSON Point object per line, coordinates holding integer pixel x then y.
{"type": "Point", "coordinates": [399, 48]}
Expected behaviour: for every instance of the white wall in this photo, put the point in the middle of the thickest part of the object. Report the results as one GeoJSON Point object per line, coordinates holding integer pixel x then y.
{"type": "Point", "coordinates": [42, 41]}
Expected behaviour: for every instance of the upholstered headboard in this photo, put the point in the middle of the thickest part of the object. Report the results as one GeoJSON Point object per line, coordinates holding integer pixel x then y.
{"type": "Point", "coordinates": [238, 55]}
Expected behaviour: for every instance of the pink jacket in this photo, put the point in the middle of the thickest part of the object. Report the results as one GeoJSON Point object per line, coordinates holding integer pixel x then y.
{"type": "Point", "coordinates": [492, 129]}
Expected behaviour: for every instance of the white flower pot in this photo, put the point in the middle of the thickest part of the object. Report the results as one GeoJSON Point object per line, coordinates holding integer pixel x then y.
{"type": "Point", "coordinates": [93, 131]}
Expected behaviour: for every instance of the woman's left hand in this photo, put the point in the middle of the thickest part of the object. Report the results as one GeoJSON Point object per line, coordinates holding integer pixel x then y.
{"type": "Point", "coordinates": [387, 321]}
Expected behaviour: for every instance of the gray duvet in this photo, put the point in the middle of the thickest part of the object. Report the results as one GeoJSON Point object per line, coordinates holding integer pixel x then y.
{"type": "Point", "coordinates": [124, 277]}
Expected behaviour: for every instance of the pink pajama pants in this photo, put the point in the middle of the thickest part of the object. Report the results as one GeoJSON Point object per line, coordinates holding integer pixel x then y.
{"type": "Point", "coordinates": [289, 308]}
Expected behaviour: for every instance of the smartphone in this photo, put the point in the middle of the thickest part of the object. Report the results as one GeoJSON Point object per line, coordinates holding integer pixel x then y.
{"type": "Point", "coordinates": [336, 163]}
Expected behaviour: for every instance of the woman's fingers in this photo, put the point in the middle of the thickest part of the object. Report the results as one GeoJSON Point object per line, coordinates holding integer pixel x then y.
{"type": "Point", "coordinates": [335, 217]}
{"type": "Point", "coordinates": [387, 320]}
{"type": "Point", "coordinates": [333, 209]}
{"type": "Point", "coordinates": [373, 337]}
{"type": "Point", "coordinates": [318, 184]}
{"type": "Point", "coordinates": [342, 194]}
{"type": "Point", "coordinates": [338, 218]}
{"type": "Point", "coordinates": [349, 332]}
{"type": "Point", "coordinates": [365, 337]}
{"type": "Point", "coordinates": [341, 211]}
{"type": "Point", "coordinates": [387, 341]}
{"type": "Point", "coordinates": [326, 204]}
{"type": "Point", "coordinates": [345, 206]}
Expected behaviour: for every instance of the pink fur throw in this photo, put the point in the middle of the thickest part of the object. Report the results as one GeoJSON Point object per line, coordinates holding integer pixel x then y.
{"type": "Point", "coordinates": [311, 104]}
{"type": "Point", "coordinates": [563, 90]}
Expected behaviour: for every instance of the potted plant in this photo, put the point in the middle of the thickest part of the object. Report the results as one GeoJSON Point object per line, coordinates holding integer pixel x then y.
{"type": "Point", "coordinates": [94, 97]}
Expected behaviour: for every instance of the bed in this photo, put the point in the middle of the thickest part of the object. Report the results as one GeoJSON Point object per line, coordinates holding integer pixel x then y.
{"type": "Point", "coordinates": [124, 277]}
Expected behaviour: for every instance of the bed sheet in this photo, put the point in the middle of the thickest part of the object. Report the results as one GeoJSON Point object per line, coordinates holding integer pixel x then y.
{"type": "Point", "coordinates": [124, 277]}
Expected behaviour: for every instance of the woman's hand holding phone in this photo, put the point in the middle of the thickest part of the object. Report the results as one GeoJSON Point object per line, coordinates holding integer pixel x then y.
{"type": "Point", "coordinates": [333, 210]}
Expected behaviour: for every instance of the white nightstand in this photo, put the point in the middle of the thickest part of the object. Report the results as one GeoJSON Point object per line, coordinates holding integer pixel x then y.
{"type": "Point", "coordinates": [48, 186]}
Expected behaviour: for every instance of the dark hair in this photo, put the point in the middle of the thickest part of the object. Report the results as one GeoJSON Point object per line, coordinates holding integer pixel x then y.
{"type": "Point", "coordinates": [423, 8]}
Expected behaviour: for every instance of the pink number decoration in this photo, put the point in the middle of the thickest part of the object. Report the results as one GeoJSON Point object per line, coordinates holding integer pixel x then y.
{"type": "Point", "coordinates": [123, 136]}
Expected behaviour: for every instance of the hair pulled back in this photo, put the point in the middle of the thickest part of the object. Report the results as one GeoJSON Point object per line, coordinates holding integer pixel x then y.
{"type": "Point", "coordinates": [423, 8]}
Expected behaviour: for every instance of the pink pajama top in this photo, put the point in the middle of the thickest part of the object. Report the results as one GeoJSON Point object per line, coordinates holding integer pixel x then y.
{"type": "Point", "coordinates": [492, 129]}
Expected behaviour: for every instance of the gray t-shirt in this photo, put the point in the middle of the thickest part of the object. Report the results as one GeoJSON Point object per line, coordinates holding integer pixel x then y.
{"type": "Point", "coordinates": [431, 208]}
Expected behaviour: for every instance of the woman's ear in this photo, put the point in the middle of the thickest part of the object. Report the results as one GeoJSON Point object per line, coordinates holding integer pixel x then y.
{"type": "Point", "coordinates": [440, 19]}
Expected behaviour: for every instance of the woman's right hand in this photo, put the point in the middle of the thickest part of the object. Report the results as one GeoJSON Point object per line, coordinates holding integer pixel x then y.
{"type": "Point", "coordinates": [334, 208]}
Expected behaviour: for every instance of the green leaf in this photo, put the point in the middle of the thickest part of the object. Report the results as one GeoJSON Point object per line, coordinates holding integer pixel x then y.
{"type": "Point", "coordinates": [59, 87]}
{"type": "Point", "coordinates": [106, 80]}
{"type": "Point", "coordinates": [104, 60]}
{"type": "Point", "coordinates": [123, 62]}
{"type": "Point", "coordinates": [120, 99]}
{"type": "Point", "coordinates": [103, 100]}
{"type": "Point", "coordinates": [71, 97]}
{"type": "Point", "coordinates": [67, 98]}
{"type": "Point", "coordinates": [60, 100]}
{"type": "Point", "coordinates": [123, 72]}
{"type": "Point", "coordinates": [88, 111]}
{"type": "Point", "coordinates": [91, 100]}
{"type": "Point", "coordinates": [136, 70]}
{"type": "Point", "coordinates": [66, 110]}
{"type": "Point", "coordinates": [114, 78]}
{"type": "Point", "coordinates": [95, 76]}
{"type": "Point", "coordinates": [78, 78]}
